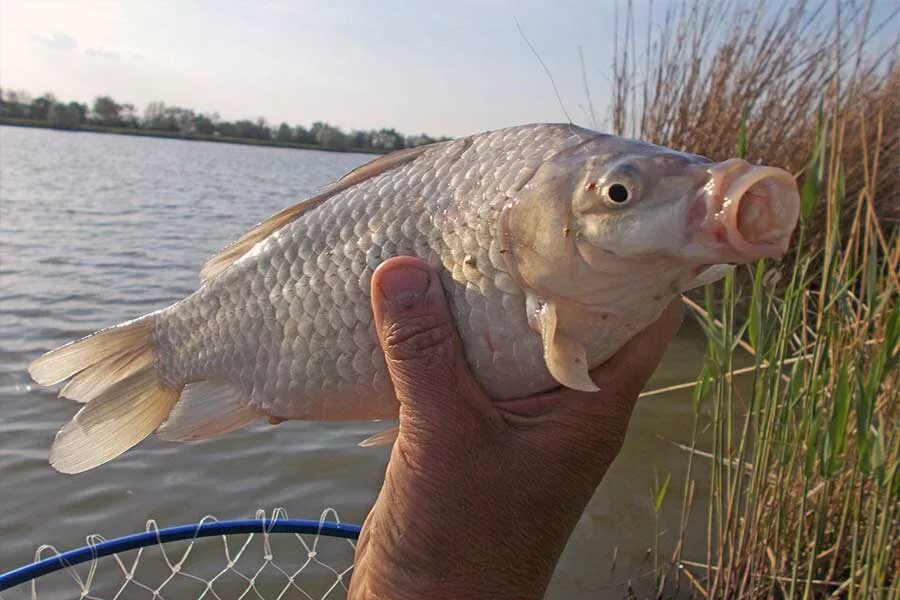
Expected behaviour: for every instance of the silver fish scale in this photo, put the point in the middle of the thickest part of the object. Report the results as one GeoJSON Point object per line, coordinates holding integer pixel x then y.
{"type": "Point", "coordinates": [290, 324]}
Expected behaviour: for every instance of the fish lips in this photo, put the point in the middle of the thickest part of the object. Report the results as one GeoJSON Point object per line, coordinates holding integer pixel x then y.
{"type": "Point", "coordinates": [743, 213]}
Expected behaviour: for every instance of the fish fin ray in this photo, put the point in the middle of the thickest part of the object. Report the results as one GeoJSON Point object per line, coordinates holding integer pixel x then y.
{"type": "Point", "coordinates": [113, 371]}
{"type": "Point", "coordinates": [207, 409]}
{"type": "Point", "coordinates": [114, 421]}
{"type": "Point", "coordinates": [385, 163]}
{"type": "Point", "coordinates": [709, 275]}
{"type": "Point", "coordinates": [90, 383]}
{"type": "Point", "coordinates": [245, 243]}
{"type": "Point", "coordinates": [231, 254]}
{"type": "Point", "coordinates": [131, 338]}
{"type": "Point", "coordinates": [382, 438]}
{"type": "Point", "coordinates": [566, 358]}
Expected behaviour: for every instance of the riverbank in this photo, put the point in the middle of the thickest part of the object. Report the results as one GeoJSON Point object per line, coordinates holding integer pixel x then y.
{"type": "Point", "coordinates": [14, 122]}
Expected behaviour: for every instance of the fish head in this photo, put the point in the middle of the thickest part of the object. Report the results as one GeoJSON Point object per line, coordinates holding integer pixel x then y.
{"type": "Point", "coordinates": [620, 210]}
{"type": "Point", "coordinates": [684, 207]}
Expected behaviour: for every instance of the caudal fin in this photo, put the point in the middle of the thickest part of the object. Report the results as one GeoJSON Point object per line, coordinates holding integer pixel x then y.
{"type": "Point", "coordinates": [113, 372]}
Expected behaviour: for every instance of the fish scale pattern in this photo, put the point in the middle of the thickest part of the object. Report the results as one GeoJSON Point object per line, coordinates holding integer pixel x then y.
{"type": "Point", "coordinates": [290, 323]}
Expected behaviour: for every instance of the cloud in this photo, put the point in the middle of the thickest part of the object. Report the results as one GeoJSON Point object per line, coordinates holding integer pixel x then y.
{"type": "Point", "coordinates": [56, 42]}
{"type": "Point", "coordinates": [103, 54]}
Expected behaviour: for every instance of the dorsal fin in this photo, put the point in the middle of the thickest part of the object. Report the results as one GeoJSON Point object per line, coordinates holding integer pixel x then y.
{"type": "Point", "coordinates": [232, 253]}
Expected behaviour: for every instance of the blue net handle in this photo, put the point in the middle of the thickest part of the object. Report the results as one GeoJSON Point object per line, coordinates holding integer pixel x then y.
{"type": "Point", "coordinates": [174, 534]}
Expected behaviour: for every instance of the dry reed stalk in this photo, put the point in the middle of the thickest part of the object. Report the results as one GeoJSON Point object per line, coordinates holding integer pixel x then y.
{"type": "Point", "coordinates": [816, 87]}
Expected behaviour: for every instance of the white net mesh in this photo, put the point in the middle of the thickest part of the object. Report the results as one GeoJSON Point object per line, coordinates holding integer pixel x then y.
{"type": "Point", "coordinates": [257, 566]}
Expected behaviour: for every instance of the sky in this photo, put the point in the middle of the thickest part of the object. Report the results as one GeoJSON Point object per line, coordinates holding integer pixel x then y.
{"type": "Point", "coordinates": [443, 68]}
{"type": "Point", "coordinates": [421, 66]}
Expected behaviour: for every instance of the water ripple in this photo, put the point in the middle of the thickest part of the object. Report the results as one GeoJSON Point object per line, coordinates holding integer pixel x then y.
{"type": "Point", "coordinates": [97, 229]}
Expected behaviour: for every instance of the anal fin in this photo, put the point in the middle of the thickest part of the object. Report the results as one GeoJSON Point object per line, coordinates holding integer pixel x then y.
{"type": "Point", "coordinates": [207, 409]}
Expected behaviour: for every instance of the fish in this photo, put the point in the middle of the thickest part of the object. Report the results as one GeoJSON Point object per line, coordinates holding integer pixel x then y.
{"type": "Point", "coordinates": [554, 244]}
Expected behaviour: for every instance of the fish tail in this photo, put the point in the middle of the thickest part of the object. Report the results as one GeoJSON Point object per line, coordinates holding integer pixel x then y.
{"type": "Point", "coordinates": [114, 373]}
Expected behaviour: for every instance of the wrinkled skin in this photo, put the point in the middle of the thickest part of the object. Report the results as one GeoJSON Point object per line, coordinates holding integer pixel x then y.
{"type": "Point", "coordinates": [487, 518]}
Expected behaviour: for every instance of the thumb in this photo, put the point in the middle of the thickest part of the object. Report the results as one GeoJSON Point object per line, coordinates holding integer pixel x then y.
{"type": "Point", "coordinates": [421, 347]}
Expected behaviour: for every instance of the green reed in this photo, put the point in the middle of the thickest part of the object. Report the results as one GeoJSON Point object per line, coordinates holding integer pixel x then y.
{"type": "Point", "coordinates": [804, 489]}
{"type": "Point", "coordinates": [791, 479]}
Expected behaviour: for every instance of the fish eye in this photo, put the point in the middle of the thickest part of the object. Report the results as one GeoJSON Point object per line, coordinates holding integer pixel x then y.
{"type": "Point", "coordinates": [617, 193]}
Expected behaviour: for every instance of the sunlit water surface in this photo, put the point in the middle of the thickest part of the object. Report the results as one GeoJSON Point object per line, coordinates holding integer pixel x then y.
{"type": "Point", "coordinates": [96, 229]}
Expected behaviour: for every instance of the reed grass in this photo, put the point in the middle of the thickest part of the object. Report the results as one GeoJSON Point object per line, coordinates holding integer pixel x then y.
{"type": "Point", "coordinates": [801, 449]}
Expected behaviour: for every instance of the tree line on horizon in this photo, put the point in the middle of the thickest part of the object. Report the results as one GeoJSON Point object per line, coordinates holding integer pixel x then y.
{"type": "Point", "coordinates": [160, 117]}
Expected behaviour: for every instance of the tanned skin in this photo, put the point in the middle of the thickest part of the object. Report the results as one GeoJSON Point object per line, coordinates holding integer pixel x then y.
{"type": "Point", "coordinates": [480, 496]}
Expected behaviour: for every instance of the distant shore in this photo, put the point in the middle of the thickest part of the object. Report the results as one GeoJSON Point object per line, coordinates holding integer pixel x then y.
{"type": "Point", "coordinates": [16, 122]}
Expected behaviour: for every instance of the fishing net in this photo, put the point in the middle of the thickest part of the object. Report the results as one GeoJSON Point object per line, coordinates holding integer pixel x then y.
{"type": "Point", "coordinates": [272, 561]}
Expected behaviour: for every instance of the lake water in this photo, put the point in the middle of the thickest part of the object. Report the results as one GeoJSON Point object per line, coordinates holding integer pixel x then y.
{"type": "Point", "coordinates": [96, 229]}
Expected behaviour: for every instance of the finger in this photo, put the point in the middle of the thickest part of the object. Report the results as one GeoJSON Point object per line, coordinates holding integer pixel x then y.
{"type": "Point", "coordinates": [628, 371]}
{"type": "Point", "coordinates": [586, 430]}
{"type": "Point", "coordinates": [416, 332]}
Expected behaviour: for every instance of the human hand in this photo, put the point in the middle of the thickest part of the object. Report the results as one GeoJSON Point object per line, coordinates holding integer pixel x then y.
{"type": "Point", "coordinates": [480, 496]}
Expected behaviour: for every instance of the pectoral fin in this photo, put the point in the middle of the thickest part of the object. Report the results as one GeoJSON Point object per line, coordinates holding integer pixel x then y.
{"type": "Point", "coordinates": [565, 357]}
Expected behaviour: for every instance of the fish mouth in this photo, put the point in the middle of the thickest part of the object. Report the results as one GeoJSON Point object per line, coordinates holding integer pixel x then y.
{"type": "Point", "coordinates": [750, 211]}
